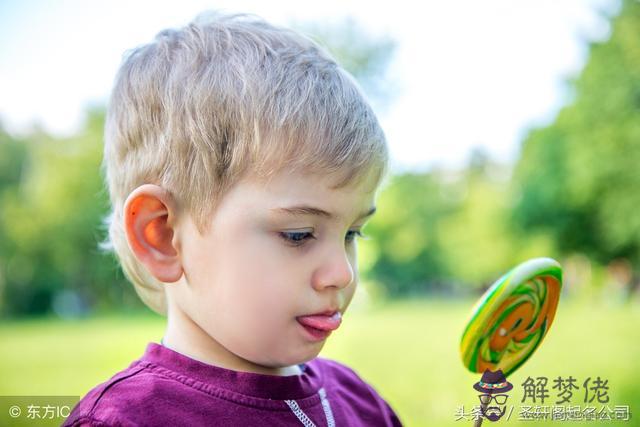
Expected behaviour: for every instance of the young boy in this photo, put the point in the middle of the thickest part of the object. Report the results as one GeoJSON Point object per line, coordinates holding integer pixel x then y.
{"type": "Point", "coordinates": [242, 163]}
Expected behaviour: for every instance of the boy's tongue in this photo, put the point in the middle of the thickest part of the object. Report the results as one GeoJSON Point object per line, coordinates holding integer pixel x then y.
{"type": "Point", "coordinates": [322, 322]}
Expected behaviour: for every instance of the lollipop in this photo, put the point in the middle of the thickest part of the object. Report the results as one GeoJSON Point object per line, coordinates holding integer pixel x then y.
{"type": "Point", "coordinates": [510, 320]}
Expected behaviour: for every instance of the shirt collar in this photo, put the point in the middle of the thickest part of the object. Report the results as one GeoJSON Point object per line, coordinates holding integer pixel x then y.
{"type": "Point", "coordinates": [248, 383]}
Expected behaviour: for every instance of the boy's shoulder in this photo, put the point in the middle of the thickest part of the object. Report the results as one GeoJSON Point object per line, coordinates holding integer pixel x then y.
{"type": "Point", "coordinates": [106, 403]}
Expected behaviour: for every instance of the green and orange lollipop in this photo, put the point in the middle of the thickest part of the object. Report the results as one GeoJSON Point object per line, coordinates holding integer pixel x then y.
{"type": "Point", "coordinates": [511, 319]}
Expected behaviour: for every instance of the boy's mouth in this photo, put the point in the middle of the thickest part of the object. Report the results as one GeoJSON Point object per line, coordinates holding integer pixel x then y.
{"type": "Point", "coordinates": [320, 326]}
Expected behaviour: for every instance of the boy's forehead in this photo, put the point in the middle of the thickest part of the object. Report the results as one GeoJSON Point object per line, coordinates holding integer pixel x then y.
{"type": "Point", "coordinates": [295, 185]}
{"type": "Point", "coordinates": [311, 194]}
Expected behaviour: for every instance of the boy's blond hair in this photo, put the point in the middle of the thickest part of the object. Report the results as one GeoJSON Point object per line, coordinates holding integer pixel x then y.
{"type": "Point", "coordinates": [200, 107]}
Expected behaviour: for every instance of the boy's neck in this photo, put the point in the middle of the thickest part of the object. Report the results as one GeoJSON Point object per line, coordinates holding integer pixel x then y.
{"type": "Point", "coordinates": [186, 337]}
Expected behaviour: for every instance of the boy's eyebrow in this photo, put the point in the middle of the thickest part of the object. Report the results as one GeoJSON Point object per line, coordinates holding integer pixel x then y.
{"type": "Point", "coordinates": [310, 210]}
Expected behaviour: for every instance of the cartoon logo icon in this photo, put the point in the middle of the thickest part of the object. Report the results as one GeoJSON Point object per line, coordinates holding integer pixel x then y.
{"type": "Point", "coordinates": [493, 386]}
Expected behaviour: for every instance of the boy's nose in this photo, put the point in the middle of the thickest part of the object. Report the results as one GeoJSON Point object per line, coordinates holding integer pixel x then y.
{"type": "Point", "coordinates": [336, 271]}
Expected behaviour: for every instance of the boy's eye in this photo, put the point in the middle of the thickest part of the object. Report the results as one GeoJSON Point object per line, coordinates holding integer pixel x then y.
{"type": "Point", "coordinates": [298, 238]}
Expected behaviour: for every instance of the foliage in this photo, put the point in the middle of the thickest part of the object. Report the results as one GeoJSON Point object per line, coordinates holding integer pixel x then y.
{"type": "Point", "coordinates": [578, 177]}
{"type": "Point", "coordinates": [444, 231]}
{"type": "Point", "coordinates": [50, 221]}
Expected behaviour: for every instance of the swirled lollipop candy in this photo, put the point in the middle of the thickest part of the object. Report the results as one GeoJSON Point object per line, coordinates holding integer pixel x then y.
{"type": "Point", "coordinates": [510, 320]}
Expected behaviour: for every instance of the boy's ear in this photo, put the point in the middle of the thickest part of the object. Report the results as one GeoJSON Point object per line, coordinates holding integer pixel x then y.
{"type": "Point", "coordinates": [149, 221]}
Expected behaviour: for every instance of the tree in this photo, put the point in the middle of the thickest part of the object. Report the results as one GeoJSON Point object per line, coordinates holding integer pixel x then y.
{"type": "Point", "coordinates": [13, 155]}
{"type": "Point", "coordinates": [51, 218]}
{"type": "Point", "coordinates": [404, 254]}
{"type": "Point", "coordinates": [579, 177]}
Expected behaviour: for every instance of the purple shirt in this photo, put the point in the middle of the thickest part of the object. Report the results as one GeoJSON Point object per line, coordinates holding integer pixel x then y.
{"type": "Point", "coordinates": [165, 387]}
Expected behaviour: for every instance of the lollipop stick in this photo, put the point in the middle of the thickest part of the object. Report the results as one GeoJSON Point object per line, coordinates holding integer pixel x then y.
{"type": "Point", "coordinates": [478, 421]}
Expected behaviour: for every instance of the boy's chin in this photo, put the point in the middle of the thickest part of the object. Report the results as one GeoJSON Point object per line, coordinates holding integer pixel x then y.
{"type": "Point", "coordinates": [291, 361]}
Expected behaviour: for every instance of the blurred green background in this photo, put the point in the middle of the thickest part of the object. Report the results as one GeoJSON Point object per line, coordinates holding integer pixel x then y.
{"type": "Point", "coordinates": [69, 319]}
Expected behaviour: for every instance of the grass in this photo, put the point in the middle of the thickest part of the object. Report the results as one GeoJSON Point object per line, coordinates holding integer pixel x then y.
{"type": "Point", "coordinates": [407, 350]}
